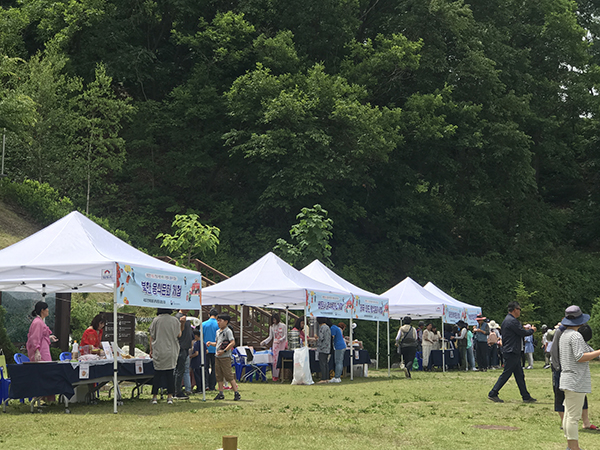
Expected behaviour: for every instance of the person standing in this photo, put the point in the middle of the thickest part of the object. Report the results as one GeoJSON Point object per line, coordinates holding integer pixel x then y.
{"type": "Point", "coordinates": [209, 331]}
{"type": "Point", "coordinates": [559, 395]}
{"type": "Point", "coordinates": [512, 342]}
{"type": "Point", "coordinates": [324, 347]}
{"type": "Point", "coordinates": [182, 370]}
{"type": "Point", "coordinates": [470, 355]}
{"type": "Point", "coordinates": [545, 347]}
{"type": "Point", "coordinates": [164, 348]}
{"type": "Point", "coordinates": [529, 348]}
{"type": "Point", "coordinates": [406, 340]}
{"type": "Point", "coordinates": [428, 337]}
{"type": "Point", "coordinates": [39, 335]}
{"type": "Point", "coordinates": [437, 339]}
{"type": "Point", "coordinates": [277, 334]}
{"type": "Point", "coordinates": [575, 378]}
{"type": "Point", "coordinates": [195, 359]}
{"type": "Point", "coordinates": [224, 343]}
{"type": "Point", "coordinates": [339, 349]}
{"type": "Point", "coordinates": [460, 340]}
{"type": "Point", "coordinates": [492, 341]}
{"type": "Point", "coordinates": [481, 332]}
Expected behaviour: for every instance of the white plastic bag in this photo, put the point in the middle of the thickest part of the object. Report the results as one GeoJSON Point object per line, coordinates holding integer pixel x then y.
{"type": "Point", "coordinates": [302, 374]}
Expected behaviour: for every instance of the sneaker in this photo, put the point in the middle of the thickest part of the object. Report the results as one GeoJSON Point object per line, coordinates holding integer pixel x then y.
{"type": "Point", "coordinates": [236, 397]}
{"type": "Point", "coordinates": [182, 396]}
{"type": "Point", "coordinates": [154, 401]}
{"type": "Point", "coordinates": [188, 393]}
{"type": "Point", "coordinates": [170, 401]}
{"type": "Point", "coordinates": [406, 372]}
{"type": "Point", "coordinates": [335, 380]}
{"type": "Point", "coordinates": [495, 399]}
{"type": "Point", "coordinates": [529, 400]}
{"type": "Point", "coordinates": [220, 396]}
{"type": "Point", "coordinates": [528, 367]}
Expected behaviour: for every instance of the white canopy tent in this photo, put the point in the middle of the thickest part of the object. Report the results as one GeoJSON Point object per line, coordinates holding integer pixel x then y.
{"type": "Point", "coordinates": [472, 310]}
{"type": "Point", "coordinates": [73, 255]}
{"type": "Point", "coordinates": [409, 298]}
{"type": "Point", "coordinates": [318, 271]}
{"type": "Point", "coordinates": [269, 283]}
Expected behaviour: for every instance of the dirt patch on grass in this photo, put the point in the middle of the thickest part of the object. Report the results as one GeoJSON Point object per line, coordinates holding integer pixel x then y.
{"type": "Point", "coordinates": [15, 225]}
{"type": "Point", "coordinates": [495, 427]}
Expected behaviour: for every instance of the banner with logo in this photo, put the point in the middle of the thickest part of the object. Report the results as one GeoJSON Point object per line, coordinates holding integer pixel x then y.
{"type": "Point", "coordinates": [140, 286]}
{"type": "Point", "coordinates": [453, 314]}
{"type": "Point", "coordinates": [319, 304]}
{"type": "Point", "coordinates": [371, 308]}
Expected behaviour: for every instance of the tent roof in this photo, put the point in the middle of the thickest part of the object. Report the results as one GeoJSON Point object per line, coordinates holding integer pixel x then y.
{"type": "Point", "coordinates": [409, 298]}
{"type": "Point", "coordinates": [70, 255]}
{"type": "Point", "coordinates": [318, 271]}
{"type": "Point", "coordinates": [448, 300]}
{"type": "Point", "coordinates": [269, 282]}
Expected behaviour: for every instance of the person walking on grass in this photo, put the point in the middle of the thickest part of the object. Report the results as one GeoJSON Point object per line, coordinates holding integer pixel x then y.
{"type": "Point", "coordinates": [406, 341]}
{"type": "Point", "coordinates": [224, 344]}
{"type": "Point", "coordinates": [512, 342]}
{"type": "Point", "coordinates": [575, 379]}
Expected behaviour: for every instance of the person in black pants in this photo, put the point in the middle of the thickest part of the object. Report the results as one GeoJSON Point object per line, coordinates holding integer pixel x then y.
{"type": "Point", "coordinates": [481, 332]}
{"type": "Point", "coordinates": [512, 342]}
{"type": "Point", "coordinates": [406, 340]}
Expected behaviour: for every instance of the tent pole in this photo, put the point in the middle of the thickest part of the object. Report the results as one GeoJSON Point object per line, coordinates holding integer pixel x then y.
{"type": "Point", "coordinates": [242, 325]}
{"type": "Point", "coordinates": [377, 363]}
{"type": "Point", "coordinates": [351, 352]}
{"type": "Point", "coordinates": [115, 334]}
{"type": "Point", "coordinates": [388, 348]}
{"type": "Point", "coordinates": [443, 350]}
{"type": "Point", "coordinates": [202, 358]}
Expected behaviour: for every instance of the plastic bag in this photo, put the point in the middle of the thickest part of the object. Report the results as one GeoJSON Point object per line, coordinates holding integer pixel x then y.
{"type": "Point", "coordinates": [415, 364]}
{"type": "Point", "coordinates": [302, 374]}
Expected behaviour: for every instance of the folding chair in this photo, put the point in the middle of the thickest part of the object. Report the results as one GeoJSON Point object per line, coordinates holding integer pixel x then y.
{"type": "Point", "coordinates": [254, 370]}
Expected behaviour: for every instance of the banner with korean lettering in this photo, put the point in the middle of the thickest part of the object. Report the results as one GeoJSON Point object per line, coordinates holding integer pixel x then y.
{"type": "Point", "coordinates": [453, 314]}
{"type": "Point", "coordinates": [140, 286]}
{"type": "Point", "coordinates": [371, 308]}
{"type": "Point", "coordinates": [319, 304]}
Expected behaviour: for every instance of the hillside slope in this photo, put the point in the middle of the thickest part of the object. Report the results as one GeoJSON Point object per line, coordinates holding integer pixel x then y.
{"type": "Point", "coordinates": [14, 225]}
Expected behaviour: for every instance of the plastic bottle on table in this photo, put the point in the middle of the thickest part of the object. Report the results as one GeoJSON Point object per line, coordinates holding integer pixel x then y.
{"type": "Point", "coordinates": [75, 350]}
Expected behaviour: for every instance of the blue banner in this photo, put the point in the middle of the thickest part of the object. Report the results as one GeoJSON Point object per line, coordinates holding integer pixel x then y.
{"type": "Point", "coordinates": [139, 286]}
{"type": "Point", "coordinates": [453, 314]}
{"type": "Point", "coordinates": [370, 308]}
{"type": "Point", "coordinates": [319, 304]}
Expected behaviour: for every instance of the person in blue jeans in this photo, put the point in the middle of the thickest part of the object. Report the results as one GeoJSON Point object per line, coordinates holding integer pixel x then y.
{"type": "Point", "coordinates": [339, 348]}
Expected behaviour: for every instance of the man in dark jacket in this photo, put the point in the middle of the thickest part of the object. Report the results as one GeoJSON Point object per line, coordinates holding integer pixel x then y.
{"type": "Point", "coordinates": [512, 343]}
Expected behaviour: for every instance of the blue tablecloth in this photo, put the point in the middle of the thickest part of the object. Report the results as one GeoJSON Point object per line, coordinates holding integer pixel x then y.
{"type": "Point", "coordinates": [288, 355]}
{"type": "Point", "coordinates": [50, 378]}
{"type": "Point", "coordinates": [452, 358]}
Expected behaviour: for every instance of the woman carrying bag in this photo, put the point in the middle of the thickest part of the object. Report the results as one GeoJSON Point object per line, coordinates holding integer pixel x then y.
{"type": "Point", "coordinates": [406, 340]}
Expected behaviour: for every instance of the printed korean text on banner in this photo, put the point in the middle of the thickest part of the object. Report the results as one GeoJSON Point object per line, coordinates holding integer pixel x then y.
{"type": "Point", "coordinates": [139, 286]}
{"type": "Point", "coordinates": [370, 308]}
{"type": "Point", "coordinates": [453, 314]}
{"type": "Point", "coordinates": [321, 304]}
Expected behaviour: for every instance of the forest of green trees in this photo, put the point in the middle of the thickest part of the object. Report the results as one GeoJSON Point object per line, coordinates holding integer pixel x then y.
{"type": "Point", "coordinates": [450, 141]}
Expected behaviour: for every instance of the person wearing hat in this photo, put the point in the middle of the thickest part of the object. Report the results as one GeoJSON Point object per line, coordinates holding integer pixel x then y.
{"type": "Point", "coordinates": [575, 378]}
{"type": "Point", "coordinates": [492, 341]}
{"type": "Point", "coordinates": [481, 332]}
{"type": "Point", "coordinates": [512, 340]}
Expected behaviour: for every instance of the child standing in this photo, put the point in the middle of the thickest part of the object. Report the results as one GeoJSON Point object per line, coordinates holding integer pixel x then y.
{"type": "Point", "coordinates": [225, 342]}
{"type": "Point", "coordinates": [195, 360]}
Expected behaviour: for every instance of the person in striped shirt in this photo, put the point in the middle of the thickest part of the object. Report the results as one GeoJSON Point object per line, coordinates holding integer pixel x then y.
{"type": "Point", "coordinates": [575, 379]}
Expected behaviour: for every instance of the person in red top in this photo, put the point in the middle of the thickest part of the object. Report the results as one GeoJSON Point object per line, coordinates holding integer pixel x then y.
{"type": "Point", "coordinates": [93, 335]}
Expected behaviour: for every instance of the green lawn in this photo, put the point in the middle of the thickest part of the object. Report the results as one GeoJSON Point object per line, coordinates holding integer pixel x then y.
{"type": "Point", "coordinates": [431, 411]}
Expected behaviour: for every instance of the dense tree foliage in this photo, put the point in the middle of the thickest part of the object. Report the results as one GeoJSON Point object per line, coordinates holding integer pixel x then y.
{"type": "Point", "coordinates": [449, 141]}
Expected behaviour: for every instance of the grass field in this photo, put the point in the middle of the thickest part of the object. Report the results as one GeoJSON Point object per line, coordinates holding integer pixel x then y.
{"type": "Point", "coordinates": [431, 411]}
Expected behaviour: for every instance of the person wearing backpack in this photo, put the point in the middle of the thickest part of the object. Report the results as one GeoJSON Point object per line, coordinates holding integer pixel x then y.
{"type": "Point", "coordinates": [406, 340]}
